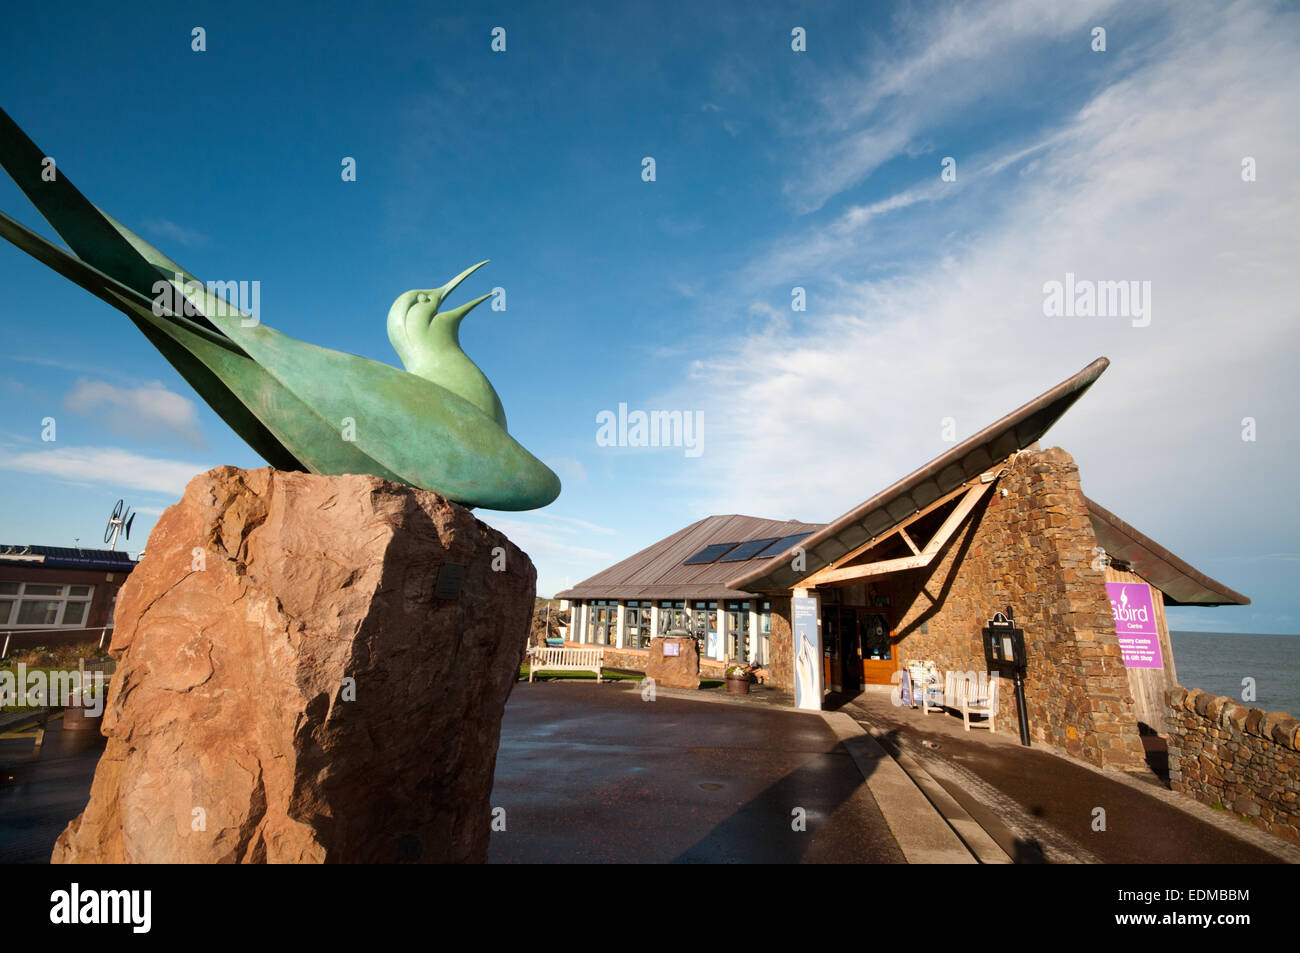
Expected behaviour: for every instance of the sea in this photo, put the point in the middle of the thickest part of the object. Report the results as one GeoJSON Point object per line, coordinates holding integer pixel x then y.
{"type": "Point", "coordinates": [1217, 662]}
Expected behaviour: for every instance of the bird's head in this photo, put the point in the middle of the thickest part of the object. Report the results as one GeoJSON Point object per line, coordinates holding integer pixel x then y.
{"type": "Point", "coordinates": [419, 332]}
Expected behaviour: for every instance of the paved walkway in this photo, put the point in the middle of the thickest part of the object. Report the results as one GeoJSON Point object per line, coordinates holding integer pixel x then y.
{"type": "Point", "coordinates": [38, 797]}
{"type": "Point", "coordinates": [593, 773]}
{"type": "Point", "coordinates": [1039, 805]}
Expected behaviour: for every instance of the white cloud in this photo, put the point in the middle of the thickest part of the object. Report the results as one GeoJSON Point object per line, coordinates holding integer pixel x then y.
{"type": "Point", "coordinates": [1143, 183]}
{"type": "Point", "coordinates": [188, 237]}
{"type": "Point", "coordinates": [568, 524]}
{"type": "Point", "coordinates": [142, 412]}
{"type": "Point", "coordinates": [113, 466]}
{"type": "Point", "coordinates": [556, 558]}
{"type": "Point", "coordinates": [570, 469]}
{"type": "Point", "coordinates": [954, 57]}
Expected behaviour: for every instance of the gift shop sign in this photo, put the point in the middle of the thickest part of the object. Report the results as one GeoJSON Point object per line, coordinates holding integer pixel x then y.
{"type": "Point", "coordinates": [1135, 624]}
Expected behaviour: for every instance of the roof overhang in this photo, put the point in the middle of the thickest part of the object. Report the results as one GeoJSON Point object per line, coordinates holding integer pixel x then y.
{"type": "Point", "coordinates": [1182, 584]}
{"type": "Point", "coordinates": [940, 477]}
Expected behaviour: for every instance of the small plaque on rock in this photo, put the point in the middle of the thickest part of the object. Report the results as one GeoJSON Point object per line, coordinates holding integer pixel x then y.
{"type": "Point", "coordinates": [449, 580]}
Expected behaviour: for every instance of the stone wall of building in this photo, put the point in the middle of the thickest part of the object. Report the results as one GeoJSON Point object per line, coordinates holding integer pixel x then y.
{"type": "Point", "coordinates": [780, 665]}
{"type": "Point", "coordinates": [1244, 759]}
{"type": "Point", "coordinates": [1030, 549]}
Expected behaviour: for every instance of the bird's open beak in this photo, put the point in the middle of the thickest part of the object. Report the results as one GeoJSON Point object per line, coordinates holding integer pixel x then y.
{"type": "Point", "coordinates": [450, 286]}
{"type": "Point", "coordinates": [456, 314]}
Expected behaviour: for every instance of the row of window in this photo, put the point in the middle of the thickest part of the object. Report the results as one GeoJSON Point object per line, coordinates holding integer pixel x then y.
{"type": "Point", "coordinates": [694, 617]}
{"type": "Point", "coordinates": [44, 604]}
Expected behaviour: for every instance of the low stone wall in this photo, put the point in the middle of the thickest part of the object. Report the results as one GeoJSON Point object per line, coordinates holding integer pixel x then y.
{"type": "Point", "coordinates": [1246, 759]}
{"type": "Point", "coordinates": [634, 660]}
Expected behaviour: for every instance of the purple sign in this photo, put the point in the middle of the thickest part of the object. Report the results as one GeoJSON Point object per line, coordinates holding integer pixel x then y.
{"type": "Point", "coordinates": [1135, 624]}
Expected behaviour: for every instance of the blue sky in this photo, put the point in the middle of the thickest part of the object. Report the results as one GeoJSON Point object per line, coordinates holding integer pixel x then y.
{"type": "Point", "coordinates": [775, 169]}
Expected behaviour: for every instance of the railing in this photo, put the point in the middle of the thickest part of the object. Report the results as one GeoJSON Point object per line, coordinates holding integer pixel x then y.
{"type": "Point", "coordinates": [64, 634]}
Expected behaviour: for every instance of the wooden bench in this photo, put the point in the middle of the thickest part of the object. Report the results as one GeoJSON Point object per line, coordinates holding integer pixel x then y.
{"type": "Point", "coordinates": [970, 697]}
{"type": "Point", "coordinates": [565, 660]}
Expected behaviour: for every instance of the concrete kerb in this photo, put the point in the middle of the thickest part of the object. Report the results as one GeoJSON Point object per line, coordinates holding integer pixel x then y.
{"type": "Point", "coordinates": [922, 834]}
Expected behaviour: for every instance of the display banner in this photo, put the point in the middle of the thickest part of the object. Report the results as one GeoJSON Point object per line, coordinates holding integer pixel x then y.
{"type": "Point", "coordinates": [1135, 624]}
{"type": "Point", "coordinates": [807, 650]}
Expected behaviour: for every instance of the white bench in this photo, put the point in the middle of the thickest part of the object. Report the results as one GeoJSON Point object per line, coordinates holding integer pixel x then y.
{"type": "Point", "coordinates": [545, 658]}
{"type": "Point", "coordinates": [969, 697]}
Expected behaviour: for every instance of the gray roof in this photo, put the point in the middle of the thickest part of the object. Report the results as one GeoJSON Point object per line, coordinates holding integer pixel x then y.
{"type": "Point", "coordinates": [657, 571]}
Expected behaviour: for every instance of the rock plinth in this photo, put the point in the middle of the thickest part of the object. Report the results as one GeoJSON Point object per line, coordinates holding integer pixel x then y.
{"type": "Point", "coordinates": [674, 662]}
{"type": "Point", "coordinates": [310, 669]}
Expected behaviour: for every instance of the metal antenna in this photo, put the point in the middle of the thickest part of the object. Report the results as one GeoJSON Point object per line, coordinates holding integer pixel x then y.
{"type": "Point", "coordinates": [119, 523]}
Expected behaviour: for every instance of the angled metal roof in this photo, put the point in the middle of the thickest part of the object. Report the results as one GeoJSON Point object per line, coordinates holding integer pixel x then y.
{"type": "Point", "coordinates": [657, 572]}
{"type": "Point", "coordinates": [945, 473]}
{"type": "Point", "coordinates": [1182, 584]}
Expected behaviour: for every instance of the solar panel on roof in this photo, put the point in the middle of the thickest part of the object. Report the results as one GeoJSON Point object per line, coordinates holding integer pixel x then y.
{"type": "Point", "coordinates": [748, 550]}
{"type": "Point", "coordinates": [781, 545]}
{"type": "Point", "coordinates": [709, 554]}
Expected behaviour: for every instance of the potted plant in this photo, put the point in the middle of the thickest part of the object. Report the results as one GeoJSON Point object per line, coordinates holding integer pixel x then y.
{"type": "Point", "coordinates": [739, 675]}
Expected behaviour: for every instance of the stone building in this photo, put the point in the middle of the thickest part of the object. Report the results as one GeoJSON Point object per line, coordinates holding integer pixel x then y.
{"type": "Point", "coordinates": [915, 573]}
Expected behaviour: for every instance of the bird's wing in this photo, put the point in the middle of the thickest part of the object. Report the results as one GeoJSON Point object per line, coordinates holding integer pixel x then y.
{"type": "Point", "coordinates": [115, 266]}
{"type": "Point", "coordinates": [90, 234]}
{"type": "Point", "coordinates": [207, 360]}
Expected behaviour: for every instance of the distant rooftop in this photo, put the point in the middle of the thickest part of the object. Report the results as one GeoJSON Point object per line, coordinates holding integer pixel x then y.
{"type": "Point", "coordinates": [65, 557]}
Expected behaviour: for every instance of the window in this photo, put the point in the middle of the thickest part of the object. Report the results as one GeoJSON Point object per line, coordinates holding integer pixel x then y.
{"type": "Point", "coordinates": [604, 620]}
{"type": "Point", "coordinates": [636, 616]}
{"type": "Point", "coordinates": [672, 616]}
{"type": "Point", "coordinates": [738, 631]}
{"type": "Point", "coordinates": [704, 617]}
{"type": "Point", "coordinates": [44, 604]}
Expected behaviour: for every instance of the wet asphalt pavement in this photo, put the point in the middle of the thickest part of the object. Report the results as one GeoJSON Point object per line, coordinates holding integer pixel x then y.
{"type": "Point", "coordinates": [585, 772]}
{"type": "Point", "coordinates": [38, 797]}
{"type": "Point", "coordinates": [592, 773]}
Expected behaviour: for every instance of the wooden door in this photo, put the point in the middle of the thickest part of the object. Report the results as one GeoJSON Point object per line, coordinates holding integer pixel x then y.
{"type": "Point", "coordinates": [879, 654]}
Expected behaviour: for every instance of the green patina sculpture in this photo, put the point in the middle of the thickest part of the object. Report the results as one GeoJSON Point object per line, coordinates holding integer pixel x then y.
{"type": "Point", "coordinates": [438, 425]}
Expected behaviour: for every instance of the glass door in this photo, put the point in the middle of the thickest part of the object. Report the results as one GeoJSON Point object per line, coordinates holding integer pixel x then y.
{"type": "Point", "coordinates": [878, 663]}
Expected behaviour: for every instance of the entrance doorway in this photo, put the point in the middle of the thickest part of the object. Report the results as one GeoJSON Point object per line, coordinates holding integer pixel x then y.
{"type": "Point", "coordinates": [850, 649]}
{"type": "Point", "coordinates": [878, 663]}
{"type": "Point", "coordinates": [859, 650]}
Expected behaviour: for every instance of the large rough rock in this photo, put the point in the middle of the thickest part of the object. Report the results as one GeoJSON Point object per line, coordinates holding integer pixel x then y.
{"type": "Point", "coordinates": [291, 689]}
{"type": "Point", "coordinates": [674, 671]}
